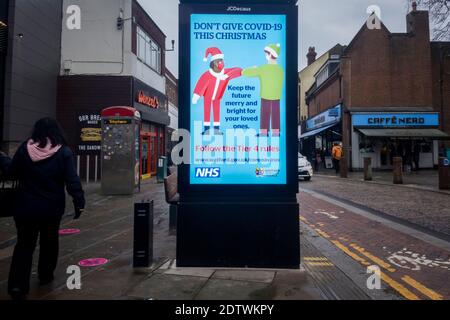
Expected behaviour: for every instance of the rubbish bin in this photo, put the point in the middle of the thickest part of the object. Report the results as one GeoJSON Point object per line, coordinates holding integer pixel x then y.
{"type": "Point", "coordinates": [161, 173]}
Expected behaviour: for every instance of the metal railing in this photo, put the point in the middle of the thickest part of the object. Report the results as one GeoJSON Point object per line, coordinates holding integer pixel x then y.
{"type": "Point", "coordinates": [88, 168]}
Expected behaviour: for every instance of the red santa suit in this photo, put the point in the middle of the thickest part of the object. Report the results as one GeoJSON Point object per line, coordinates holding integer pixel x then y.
{"type": "Point", "coordinates": [212, 86]}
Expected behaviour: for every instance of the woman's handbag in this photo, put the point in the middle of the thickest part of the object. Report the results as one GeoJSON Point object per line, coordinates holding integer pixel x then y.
{"type": "Point", "coordinates": [8, 191]}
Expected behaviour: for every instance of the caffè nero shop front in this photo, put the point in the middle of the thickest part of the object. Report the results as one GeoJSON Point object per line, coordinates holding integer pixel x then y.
{"type": "Point", "coordinates": [383, 136]}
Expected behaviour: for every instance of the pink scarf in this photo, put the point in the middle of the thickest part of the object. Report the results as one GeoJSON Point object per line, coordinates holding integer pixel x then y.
{"type": "Point", "coordinates": [38, 154]}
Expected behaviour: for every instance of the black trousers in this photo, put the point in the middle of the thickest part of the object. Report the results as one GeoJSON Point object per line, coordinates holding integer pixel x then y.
{"type": "Point", "coordinates": [28, 231]}
{"type": "Point", "coordinates": [336, 164]}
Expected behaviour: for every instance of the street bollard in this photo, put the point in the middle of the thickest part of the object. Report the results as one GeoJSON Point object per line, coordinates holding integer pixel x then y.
{"type": "Point", "coordinates": [343, 168]}
{"type": "Point", "coordinates": [444, 174]}
{"type": "Point", "coordinates": [398, 170]}
{"type": "Point", "coordinates": [173, 218]}
{"type": "Point", "coordinates": [143, 235]}
{"type": "Point", "coordinates": [368, 169]}
{"type": "Point", "coordinates": [161, 173]}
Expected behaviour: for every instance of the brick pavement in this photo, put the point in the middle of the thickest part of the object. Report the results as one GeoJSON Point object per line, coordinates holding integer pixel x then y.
{"type": "Point", "coordinates": [423, 179]}
{"type": "Point", "coordinates": [412, 267]}
{"type": "Point", "coordinates": [424, 208]}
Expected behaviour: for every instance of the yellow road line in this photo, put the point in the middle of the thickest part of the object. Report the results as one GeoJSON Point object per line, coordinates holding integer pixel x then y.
{"type": "Point", "coordinates": [375, 259]}
{"type": "Point", "coordinates": [391, 282]}
{"type": "Point", "coordinates": [399, 287]}
{"type": "Point", "coordinates": [320, 264]}
{"type": "Point", "coordinates": [322, 233]}
{"type": "Point", "coordinates": [420, 287]}
{"type": "Point", "coordinates": [315, 259]}
{"type": "Point", "coordinates": [349, 253]}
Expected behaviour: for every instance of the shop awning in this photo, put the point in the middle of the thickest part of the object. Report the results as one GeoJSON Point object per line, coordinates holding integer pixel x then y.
{"type": "Point", "coordinates": [314, 132]}
{"type": "Point", "coordinates": [405, 133]}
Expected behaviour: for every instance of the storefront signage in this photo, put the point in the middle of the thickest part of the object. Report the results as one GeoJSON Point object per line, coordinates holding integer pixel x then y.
{"type": "Point", "coordinates": [326, 118]}
{"type": "Point", "coordinates": [391, 120]}
{"type": "Point", "coordinates": [446, 162]}
{"type": "Point", "coordinates": [238, 90]}
{"type": "Point", "coordinates": [152, 102]}
{"type": "Point", "coordinates": [89, 133]}
{"type": "Point", "coordinates": [118, 121]}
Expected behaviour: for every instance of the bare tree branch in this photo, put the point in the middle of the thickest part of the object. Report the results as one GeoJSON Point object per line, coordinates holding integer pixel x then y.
{"type": "Point", "coordinates": [439, 17]}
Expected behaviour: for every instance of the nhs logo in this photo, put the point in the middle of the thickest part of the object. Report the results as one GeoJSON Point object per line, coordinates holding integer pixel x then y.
{"type": "Point", "coordinates": [207, 172]}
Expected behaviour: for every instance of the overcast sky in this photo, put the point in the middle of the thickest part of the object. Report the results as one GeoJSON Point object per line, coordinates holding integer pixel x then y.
{"type": "Point", "coordinates": [322, 23]}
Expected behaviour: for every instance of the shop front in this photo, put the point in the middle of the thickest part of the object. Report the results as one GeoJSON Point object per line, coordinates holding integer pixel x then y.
{"type": "Point", "coordinates": [153, 106]}
{"type": "Point", "coordinates": [321, 132]}
{"type": "Point", "coordinates": [383, 136]}
{"type": "Point", "coordinates": [80, 102]}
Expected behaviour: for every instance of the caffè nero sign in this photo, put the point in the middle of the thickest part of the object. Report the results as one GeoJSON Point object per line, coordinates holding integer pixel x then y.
{"type": "Point", "coordinates": [389, 120]}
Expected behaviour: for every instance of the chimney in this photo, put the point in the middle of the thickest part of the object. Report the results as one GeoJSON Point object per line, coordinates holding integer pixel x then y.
{"type": "Point", "coordinates": [311, 55]}
{"type": "Point", "coordinates": [417, 23]}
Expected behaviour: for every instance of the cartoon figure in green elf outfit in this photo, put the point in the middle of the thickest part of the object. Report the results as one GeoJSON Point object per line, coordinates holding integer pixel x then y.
{"type": "Point", "coordinates": [271, 76]}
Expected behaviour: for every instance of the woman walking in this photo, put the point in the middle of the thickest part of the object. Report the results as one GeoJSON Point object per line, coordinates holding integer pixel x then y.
{"type": "Point", "coordinates": [43, 165]}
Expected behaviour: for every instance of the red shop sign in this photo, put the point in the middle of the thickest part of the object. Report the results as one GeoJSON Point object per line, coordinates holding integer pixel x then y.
{"type": "Point", "coordinates": [152, 102]}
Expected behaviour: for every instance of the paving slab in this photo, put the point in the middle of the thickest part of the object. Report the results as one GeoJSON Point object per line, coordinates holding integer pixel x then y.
{"type": "Point", "coordinates": [194, 272]}
{"type": "Point", "coordinates": [167, 287]}
{"type": "Point", "coordinates": [295, 285]}
{"type": "Point", "coordinates": [244, 275]}
{"type": "Point", "coordinates": [109, 282]}
{"type": "Point", "coordinates": [218, 289]}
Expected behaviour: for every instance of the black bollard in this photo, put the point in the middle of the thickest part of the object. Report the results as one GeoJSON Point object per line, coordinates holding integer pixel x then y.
{"type": "Point", "coordinates": [368, 169]}
{"type": "Point", "coordinates": [143, 235]}
{"type": "Point", "coordinates": [398, 170]}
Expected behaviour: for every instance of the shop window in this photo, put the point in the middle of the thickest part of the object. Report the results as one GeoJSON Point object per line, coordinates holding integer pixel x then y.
{"type": "Point", "coordinates": [366, 145]}
{"type": "Point", "coordinates": [149, 52]}
{"type": "Point", "coordinates": [322, 76]}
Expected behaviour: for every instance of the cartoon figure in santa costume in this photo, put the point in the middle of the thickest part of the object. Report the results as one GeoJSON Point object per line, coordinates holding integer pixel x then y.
{"type": "Point", "coordinates": [212, 85]}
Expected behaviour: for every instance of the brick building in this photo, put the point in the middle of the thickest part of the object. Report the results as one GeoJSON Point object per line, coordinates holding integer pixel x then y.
{"type": "Point", "coordinates": [120, 64]}
{"type": "Point", "coordinates": [386, 87]}
{"type": "Point", "coordinates": [440, 57]}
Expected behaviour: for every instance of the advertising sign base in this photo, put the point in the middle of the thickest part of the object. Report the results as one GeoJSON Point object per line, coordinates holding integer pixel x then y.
{"type": "Point", "coordinates": [238, 235]}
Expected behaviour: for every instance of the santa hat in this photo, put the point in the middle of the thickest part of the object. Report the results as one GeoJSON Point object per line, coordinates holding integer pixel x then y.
{"type": "Point", "coordinates": [215, 53]}
{"type": "Point", "coordinates": [273, 49]}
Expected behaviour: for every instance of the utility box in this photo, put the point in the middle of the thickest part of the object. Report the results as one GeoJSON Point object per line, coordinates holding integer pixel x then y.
{"type": "Point", "coordinates": [120, 155]}
{"type": "Point", "coordinates": [161, 173]}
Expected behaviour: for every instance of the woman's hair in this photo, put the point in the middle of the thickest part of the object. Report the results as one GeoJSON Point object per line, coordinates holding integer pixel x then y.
{"type": "Point", "coordinates": [48, 129]}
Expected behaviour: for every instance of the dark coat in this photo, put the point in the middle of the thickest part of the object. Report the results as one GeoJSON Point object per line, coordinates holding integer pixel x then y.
{"type": "Point", "coordinates": [41, 184]}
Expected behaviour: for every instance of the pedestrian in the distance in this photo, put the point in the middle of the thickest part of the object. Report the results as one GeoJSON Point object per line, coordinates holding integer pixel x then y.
{"type": "Point", "coordinates": [336, 153]}
{"type": "Point", "coordinates": [43, 165]}
{"type": "Point", "coordinates": [416, 156]}
{"type": "Point", "coordinates": [317, 160]}
{"type": "Point", "coordinates": [408, 157]}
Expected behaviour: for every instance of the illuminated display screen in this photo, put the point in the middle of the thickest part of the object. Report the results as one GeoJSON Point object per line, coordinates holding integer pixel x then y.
{"type": "Point", "coordinates": [238, 107]}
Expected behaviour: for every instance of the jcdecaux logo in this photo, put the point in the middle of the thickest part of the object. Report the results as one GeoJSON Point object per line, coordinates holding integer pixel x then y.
{"type": "Point", "coordinates": [207, 172]}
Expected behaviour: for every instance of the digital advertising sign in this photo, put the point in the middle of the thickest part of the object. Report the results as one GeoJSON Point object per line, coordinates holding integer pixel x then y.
{"type": "Point", "coordinates": [238, 99]}
{"type": "Point", "coordinates": [238, 89]}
